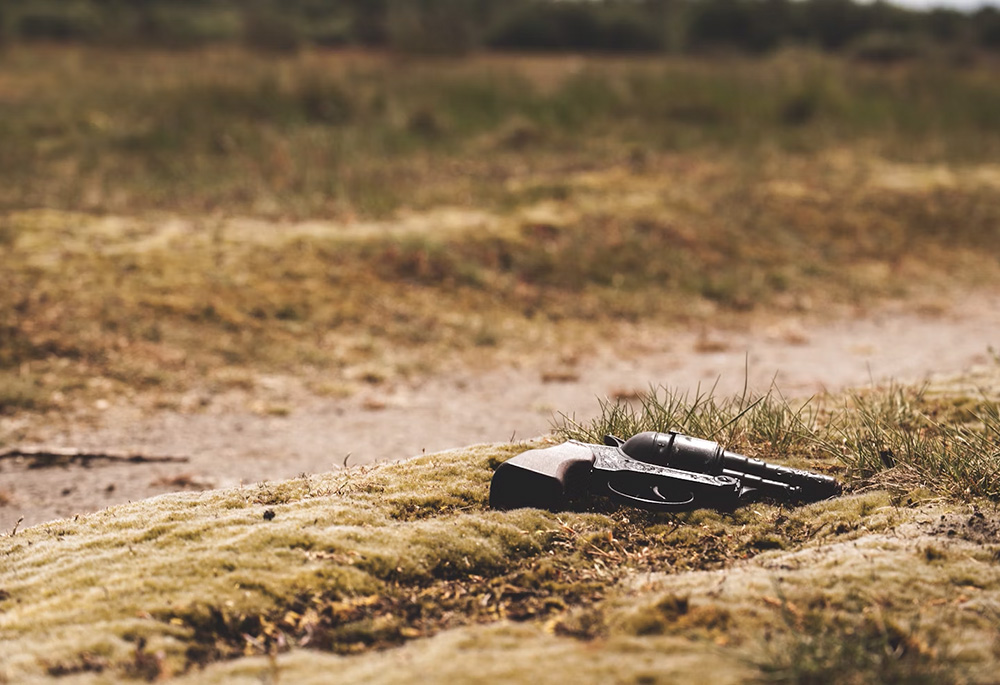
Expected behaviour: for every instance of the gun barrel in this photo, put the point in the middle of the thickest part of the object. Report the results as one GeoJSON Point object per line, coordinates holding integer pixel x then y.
{"type": "Point", "coordinates": [705, 456]}
{"type": "Point", "coordinates": [812, 485]}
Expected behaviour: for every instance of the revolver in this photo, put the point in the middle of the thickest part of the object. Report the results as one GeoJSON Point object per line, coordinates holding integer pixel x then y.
{"type": "Point", "coordinates": [652, 470]}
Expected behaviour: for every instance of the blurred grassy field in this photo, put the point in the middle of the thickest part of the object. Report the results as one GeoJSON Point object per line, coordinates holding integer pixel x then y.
{"type": "Point", "coordinates": [179, 219]}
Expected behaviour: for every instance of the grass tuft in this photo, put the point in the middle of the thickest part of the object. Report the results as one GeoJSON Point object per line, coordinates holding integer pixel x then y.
{"type": "Point", "coordinates": [901, 438]}
{"type": "Point", "coordinates": [891, 438]}
{"type": "Point", "coordinates": [767, 425]}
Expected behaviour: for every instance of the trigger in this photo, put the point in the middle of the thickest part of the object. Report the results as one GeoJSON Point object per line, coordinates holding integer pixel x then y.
{"type": "Point", "coordinates": [672, 501]}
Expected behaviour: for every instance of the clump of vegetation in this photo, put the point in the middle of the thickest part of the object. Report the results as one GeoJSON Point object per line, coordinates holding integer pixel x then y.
{"type": "Point", "coordinates": [901, 438]}
{"type": "Point", "coordinates": [766, 426]}
{"type": "Point", "coordinates": [19, 393]}
{"type": "Point", "coordinates": [904, 438]}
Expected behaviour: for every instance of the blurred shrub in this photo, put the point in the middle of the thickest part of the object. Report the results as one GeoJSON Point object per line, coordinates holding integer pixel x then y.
{"type": "Point", "coordinates": [196, 109]}
{"type": "Point", "coordinates": [756, 26]}
{"type": "Point", "coordinates": [182, 26]}
{"type": "Point", "coordinates": [987, 25]}
{"type": "Point", "coordinates": [946, 25]}
{"type": "Point", "coordinates": [323, 101]}
{"type": "Point", "coordinates": [432, 26]}
{"type": "Point", "coordinates": [832, 24]}
{"type": "Point", "coordinates": [17, 393]}
{"type": "Point", "coordinates": [59, 21]}
{"type": "Point", "coordinates": [800, 108]}
{"type": "Point", "coordinates": [271, 32]}
{"type": "Point", "coordinates": [887, 48]}
{"type": "Point", "coordinates": [519, 133]}
{"type": "Point", "coordinates": [606, 27]}
{"type": "Point", "coordinates": [425, 123]}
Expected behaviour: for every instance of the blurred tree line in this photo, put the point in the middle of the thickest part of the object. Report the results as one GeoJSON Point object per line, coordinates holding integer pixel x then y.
{"type": "Point", "coordinates": [877, 30]}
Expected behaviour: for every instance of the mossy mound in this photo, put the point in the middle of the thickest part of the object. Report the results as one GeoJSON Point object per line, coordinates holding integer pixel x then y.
{"type": "Point", "coordinates": [400, 571]}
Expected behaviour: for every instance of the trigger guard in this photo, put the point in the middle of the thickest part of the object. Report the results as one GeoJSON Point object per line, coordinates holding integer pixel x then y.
{"type": "Point", "coordinates": [662, 504]}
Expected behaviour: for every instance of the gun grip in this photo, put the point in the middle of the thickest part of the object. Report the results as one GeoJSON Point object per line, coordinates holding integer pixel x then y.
{"type": "Point", "coordinates": [543, 478]}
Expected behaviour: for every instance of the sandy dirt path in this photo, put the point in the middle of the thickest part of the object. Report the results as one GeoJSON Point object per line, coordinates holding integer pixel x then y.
{"type": "Point", "coordinates": [227, 444]}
